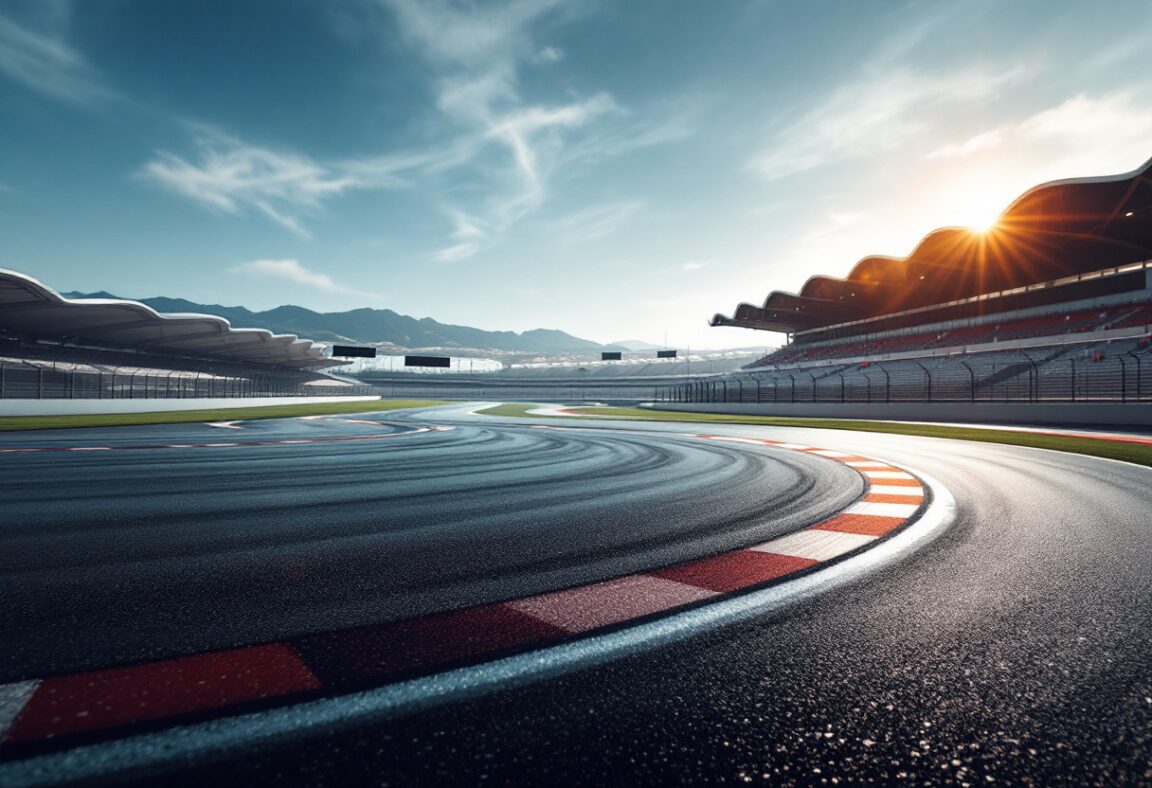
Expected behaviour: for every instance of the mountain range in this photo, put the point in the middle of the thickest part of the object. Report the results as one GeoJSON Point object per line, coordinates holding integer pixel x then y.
{"type": "Point", "coordinates": [376, 327]}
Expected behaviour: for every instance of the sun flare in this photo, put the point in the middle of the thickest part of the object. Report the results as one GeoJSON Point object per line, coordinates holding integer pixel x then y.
{"type": "Point", "coordinates": [976, 208]}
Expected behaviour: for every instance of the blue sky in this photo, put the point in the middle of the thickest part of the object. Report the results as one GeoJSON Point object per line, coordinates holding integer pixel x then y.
{"type": "Point", "coordinates": [614, 169]}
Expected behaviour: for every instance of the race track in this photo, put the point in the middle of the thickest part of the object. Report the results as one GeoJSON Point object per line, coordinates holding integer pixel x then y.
{"type": "Point", "coordinates": [1013, 648]}
{"type": "Point", "coordinates": [113, 556]}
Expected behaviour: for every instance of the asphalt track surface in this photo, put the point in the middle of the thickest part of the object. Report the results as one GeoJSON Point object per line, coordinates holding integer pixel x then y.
{"type": "Point", "coordinates": [1015, 648]}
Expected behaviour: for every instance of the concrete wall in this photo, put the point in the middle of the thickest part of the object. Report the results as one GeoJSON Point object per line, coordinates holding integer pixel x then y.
{"type": "Point", "coordinates": [1062, 413]}
{"type": "Point", "coordinates": [72, 407]}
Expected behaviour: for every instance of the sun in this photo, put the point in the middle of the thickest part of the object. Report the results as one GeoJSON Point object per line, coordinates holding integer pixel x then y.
{"type": "Point", "coordinates": [975, 208]}
{"type": "Point", "coordinates": [983, 224]}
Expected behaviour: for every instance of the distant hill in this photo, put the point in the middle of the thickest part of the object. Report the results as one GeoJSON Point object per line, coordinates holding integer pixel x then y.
{"type": "Point", "coordinates": [375, 326]}
{"type": "Point", "coordinates": [637, 345]}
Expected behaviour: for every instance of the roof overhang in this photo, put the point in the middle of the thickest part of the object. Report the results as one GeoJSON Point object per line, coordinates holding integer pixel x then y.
{"type": "Point", "coordinates": [27, 306]}
{"type": "Point", "coordinates": [1058, 229]}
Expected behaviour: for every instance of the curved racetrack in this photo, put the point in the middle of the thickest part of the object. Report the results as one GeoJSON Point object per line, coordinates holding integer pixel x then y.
{"type": "Point", "coordinates": [1013, 648]}
{"type": "Point", "coordinates": [140, 553]}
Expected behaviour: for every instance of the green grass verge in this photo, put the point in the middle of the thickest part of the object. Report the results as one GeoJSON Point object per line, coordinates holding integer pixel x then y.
{"type": "Point", "coordinates": [214, 414]}
{"type": "Point", "coordinates": [1115, 450]}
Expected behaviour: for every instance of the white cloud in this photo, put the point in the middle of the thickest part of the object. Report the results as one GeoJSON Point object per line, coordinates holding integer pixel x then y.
{"type": "Point", "coordinates": [1084, 135]}
{"type": "Point", "coordinates": [1082, 118]}
{"type": "Point", "coordinates": [502, 150]}
{"type": "Point", "coordinates": [476, 54]}
{"type": "Point", "coordinates": [232, 176]}
{"type": "Point", "coordinates": [983, 141]}
{"type": "Point", "coordinates": [549, 55]}
{"type": "Point", "coordinates": [598, 221]}
{"type": "Point", "coordinates": [456, 252]}
{"type": "Point", "coordinates": [469, 233]}
{"type": "Point", "coordinates": [693, 266]}
{"type": "Point", "coordinates": [45, 62]}
{"type": "Point", "coordinates": [292, 271]}
{"type": "Point", "coordinates": [878, 114]}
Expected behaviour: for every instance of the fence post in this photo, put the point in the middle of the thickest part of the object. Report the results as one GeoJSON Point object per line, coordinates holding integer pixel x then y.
{"type": "Point", "coordinates": [1136, 358]}
{"type": "Point", "coordinates": [888, 386]}
{"type": "Point", "coordinates": [1123, 379]}
{"type": "Point", "coordinates": [972, 379]}
{"type": "Point", "coordinates": [1072, 364]}
{"type": "Point", "coordinates": [841, 376]}
{"type": "Point", "coordinates": [927, 378]}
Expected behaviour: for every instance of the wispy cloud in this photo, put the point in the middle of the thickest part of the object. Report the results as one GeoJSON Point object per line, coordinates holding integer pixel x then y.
{"type": "Point", "coordinates": [502, 150]}
{"type": "Point", "coordinates": [878, 114]}
{"type": "Point", "coordinates": [696, 266]}
{"type": "Point", "coordinates": [232, 176]}
{"type": "Point", "coordinates": [598, 221]}
{"type": "Point", "coordinates": [549, 55]}
{"type": "Point", "coordinates": [476, 54]}
{"type": "Point", "coordinates": [292, 271]}
{"type": "Point", "coordinates": [44, 61]}
{"type": "Point", "coordinates": [983, 141]}
{"type": "Point", "coordinates": [1069, 136]}
{"type": "Point", "coordinates": [469, 233]}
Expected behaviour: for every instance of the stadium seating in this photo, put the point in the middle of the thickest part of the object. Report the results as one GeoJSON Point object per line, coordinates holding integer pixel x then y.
{"type": "Point", "coordinates": [1056, 325]}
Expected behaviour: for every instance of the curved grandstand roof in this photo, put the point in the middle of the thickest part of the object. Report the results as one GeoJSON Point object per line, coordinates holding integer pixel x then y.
{"type": "Point", "coordinates": [1058, 229]}
{"type": "Point", "coordinates": [30, 307]}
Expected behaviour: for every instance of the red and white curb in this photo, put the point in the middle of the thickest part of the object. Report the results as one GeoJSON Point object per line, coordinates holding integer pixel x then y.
{"type": "Point", "coordinates": [56, 712]}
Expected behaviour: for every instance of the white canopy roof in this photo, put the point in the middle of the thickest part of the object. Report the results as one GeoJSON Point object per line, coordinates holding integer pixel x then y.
{"type": "Point", "coordinates": [29, 306]}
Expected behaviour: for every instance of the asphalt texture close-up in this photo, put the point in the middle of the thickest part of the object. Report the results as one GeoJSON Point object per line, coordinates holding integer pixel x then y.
{"type": "Point", "coordinates": [1013, 648]}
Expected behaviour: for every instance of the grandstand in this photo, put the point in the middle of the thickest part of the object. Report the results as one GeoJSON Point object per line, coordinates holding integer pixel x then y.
{"type": "Point", "coordinates": [52, 347]}
{"type": "Point", "coordinates": [1054, 303]}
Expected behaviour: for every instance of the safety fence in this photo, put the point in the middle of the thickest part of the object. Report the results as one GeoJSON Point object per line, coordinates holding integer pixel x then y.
{"type": "Point", "coordinates": [47, 382]}
{"type": "Point", "coordinates": [1125, 377]}
{"type": "Point", "coordinates": [429, 387]}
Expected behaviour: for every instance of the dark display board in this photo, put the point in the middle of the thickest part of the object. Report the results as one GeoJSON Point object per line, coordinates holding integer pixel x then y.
{"type": "Point", "coordinates": [427, 361]}
{"type": "Point", "coordinates": [351, 351]}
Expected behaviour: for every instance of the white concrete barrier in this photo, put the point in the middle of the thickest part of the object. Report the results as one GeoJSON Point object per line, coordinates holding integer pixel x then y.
{"type": "Point", "coordinates": [1051, 413]}
{"type": "Point", "coordinates": [74, 407]}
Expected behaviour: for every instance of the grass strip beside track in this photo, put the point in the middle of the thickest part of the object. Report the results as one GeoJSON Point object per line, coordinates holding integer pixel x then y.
{"type": "Point", "coordinates": [1096, 447]}
{"type": "Point", "coordinates": [214, 414]}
